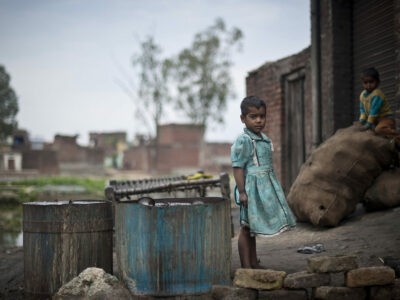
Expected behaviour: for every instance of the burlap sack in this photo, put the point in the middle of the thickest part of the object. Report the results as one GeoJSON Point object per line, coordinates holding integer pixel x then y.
{"type": "Point", "coordinates": [384, 192]}
{"type": "Point", "coordinates": [336, 175]}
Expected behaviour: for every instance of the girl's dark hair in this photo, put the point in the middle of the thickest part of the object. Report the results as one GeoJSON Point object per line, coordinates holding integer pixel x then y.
{"type": "Point", "coordinates": [251, 101]}
{"type": "Point", "coordinates": [370, 72]}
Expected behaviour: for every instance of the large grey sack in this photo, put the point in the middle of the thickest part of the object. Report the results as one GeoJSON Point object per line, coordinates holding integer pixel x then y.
{"type": "Point", "coordinates": [384, 192]}
{"type": "Point", "coordinates": [336, 175]}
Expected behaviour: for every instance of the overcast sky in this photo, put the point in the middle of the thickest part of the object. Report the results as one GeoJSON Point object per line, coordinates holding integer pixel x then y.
{"type": "Point", "coordinates": [65, 56]}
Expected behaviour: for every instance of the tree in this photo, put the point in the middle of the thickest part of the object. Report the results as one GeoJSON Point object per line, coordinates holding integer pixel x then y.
{"type": "Point", "coordinates": [152, 93]}
{"type": "Point", "coordinates": [203, 73]}
{"type": "Point", "coordinates": [153, 90]}
{"type": "Point", "coordinates": [8, 106]}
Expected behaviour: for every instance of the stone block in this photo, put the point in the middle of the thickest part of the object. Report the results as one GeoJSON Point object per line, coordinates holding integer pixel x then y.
{"type": "Point", "coordinates": [370, 276]}
{"type": "Point", "coordinates": [283, 294]}
{"type": "Point", "coordinates": [259, 279]}
{"type": "Point", "coordinates": [302, 280]}
{"type": "Point", "coordinates": [385, 292]}
{"type": "Point", "coordinates": [224, 292]}
{"type": "Point", "coordinates": [337, 279]}
{"type": "Point", "coordinates": [336, 263]}
{"type": "Point", "coordinates": [339, 292]}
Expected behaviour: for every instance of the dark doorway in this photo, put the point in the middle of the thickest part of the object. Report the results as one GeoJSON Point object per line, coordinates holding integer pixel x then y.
{"type": "Point", "coordinates": [294, 136]}
{"type": "Point", "coordinates": [11, 164]}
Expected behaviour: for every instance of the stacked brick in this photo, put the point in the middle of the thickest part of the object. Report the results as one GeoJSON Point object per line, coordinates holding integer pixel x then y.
{"type": "Point", "coordinates": [326, 278]}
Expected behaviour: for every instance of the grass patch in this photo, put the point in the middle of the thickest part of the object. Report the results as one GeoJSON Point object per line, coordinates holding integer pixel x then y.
{"type": "Point", "coordinates": [90, 184]}
{"type": "Point", "coordinates": [10, 217]}
{"type": "Point", "coordinates": [30, 190]}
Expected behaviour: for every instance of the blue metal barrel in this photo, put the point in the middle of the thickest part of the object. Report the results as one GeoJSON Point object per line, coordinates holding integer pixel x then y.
{"type": "Point", "coordinates": [173, 246]}
{"type": "Point", "coordinates": [63, 238]}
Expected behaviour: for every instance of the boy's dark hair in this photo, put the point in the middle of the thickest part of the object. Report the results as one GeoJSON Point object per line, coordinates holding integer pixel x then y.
{"type": "Point", "coordinates": [251, 101]}
{"type": "Point", "coordinates": [370, 72]}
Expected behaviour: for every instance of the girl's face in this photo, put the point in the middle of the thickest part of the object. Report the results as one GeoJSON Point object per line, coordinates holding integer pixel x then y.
{"type": "Point", "coordinates": [370, 83]}
{"type": "Point", "coordinates": [255, 119]}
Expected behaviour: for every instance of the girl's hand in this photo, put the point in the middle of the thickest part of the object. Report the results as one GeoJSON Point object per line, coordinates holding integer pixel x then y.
{"type": "Point", "coordinates": [243, 199]}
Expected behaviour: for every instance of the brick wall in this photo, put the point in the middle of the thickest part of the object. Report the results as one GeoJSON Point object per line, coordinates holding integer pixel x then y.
{"type": "Point", "coordinates": [136, 158]}
{"type": "Point", "coordinates": [217, 158]}
{"type": "Point", "coordinates": [180, 133]}
{"type": "Point", "coordinates": [173, 158]}
{"type": "Point", "coordinates": [397, 61]}
{"type": "Point", "coordinates": [266, 83]}
{"type": "Point", "coordinates": [45, 161]}
{"type": "Point", "coordinates": [67, 148]}
{"type": "Point", "coordinates": [181, 149]}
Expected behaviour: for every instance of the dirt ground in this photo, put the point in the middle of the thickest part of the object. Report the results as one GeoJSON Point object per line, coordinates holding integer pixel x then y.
{"type": "Point", "coordinates": [370, 236]}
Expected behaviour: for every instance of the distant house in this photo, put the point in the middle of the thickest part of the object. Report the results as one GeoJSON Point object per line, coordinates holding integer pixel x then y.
{"type": "Point", "coordinates": [181, 149]}
{"type": "Point", "coordinates": [113, 144]}
{"type": "Point", "coordinates": [75, 158]}
{"type": "Point", "coordinates": [33, 158]}
{"type": "Point", "coordinates": [11, 160]}
{"type": "Point", "coordinates": [20, 140]}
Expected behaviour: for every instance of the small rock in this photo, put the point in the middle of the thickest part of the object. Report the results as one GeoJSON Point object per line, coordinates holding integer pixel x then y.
{"type": "Point", "coordinates": [336, 263]}
{"type": "Point", "coordinates": [259, 279]}
{"type": "Point", "coordinates": [93, 283]}
{"type": "Point", "coordinates": [302, 280]}
{"type": "Point", "coordinates": [339, 292]}
{"type": "Point", "coordinates": [370, 276]}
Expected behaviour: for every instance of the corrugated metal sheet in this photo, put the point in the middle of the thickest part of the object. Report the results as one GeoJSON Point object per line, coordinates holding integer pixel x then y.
{"type": "Point", "coordinates": [175, 247]}
{"type": "Point", "coordinates": [374, 45]}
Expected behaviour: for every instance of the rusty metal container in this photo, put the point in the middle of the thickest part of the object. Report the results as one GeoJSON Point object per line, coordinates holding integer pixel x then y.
{"type": "Point", "coordinates": [173, 247]}
{"type": "Point", "coordinates": [63, 238]}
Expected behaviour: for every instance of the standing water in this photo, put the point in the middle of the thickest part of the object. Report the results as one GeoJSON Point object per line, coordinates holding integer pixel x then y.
{"type": "Point", "coordinates": [10, 225]}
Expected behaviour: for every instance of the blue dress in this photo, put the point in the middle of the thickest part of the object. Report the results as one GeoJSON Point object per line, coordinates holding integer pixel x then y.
{"type": "Point", "coordinates": [267, 211]}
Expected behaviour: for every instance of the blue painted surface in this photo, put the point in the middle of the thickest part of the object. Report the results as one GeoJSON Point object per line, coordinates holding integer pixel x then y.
{"type": "Point", "coordinates": [173, 250]}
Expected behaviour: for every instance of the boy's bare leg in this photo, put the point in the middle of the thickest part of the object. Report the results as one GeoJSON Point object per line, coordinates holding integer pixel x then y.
{"type": "Point", "coordinates": [244, 247]}
{"type": "Point", "coordinates": [386, 127]}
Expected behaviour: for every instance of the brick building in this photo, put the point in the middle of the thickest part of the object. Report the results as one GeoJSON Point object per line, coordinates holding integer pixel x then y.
{"type": "Point", "coordinates": [74, 158]}
{"type": "Point", "coordinates": [285, 85]}
{"type": "Point", "coordinates": [181, 149]}
{"type": "Point", "coordinates": [36, 160]}
{"type": "Point", "coordinates": [315, 92]}
{"type": "Point", "coordinates": [113, 144]}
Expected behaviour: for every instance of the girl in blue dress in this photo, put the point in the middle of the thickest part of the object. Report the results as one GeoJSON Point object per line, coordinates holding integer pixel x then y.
{"type": "Point", "coordinates": [263, 207]}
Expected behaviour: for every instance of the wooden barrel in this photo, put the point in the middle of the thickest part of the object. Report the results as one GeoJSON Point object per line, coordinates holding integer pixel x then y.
{"type": "Point", "coordinates": [63, 238]}
{"type": "Point", "coordinates": [173, 246]}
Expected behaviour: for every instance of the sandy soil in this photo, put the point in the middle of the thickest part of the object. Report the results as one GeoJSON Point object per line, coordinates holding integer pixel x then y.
{"type": "Point", "coordinates": [369, 235]}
